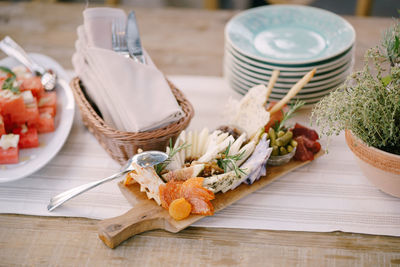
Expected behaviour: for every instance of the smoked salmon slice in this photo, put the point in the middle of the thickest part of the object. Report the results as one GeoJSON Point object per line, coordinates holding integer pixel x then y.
{"type": "Point", "coordinates": [192, 190]}
{"type": "Point", "coordinates": [169, 192]}
{"type": "Point", "coordinates": [201, 206]}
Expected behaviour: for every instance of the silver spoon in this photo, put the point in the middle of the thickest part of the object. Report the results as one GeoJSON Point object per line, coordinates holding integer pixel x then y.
{"type": "Point", "coordinates": [145, 159]}
{"type": "Point", "coordinates": [11, 48]}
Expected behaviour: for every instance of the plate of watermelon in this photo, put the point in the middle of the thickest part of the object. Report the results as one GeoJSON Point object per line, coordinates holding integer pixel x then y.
{"type": "Point", "coordinates": [34, 123]}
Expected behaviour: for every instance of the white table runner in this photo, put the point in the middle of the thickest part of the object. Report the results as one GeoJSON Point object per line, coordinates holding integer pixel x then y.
{"type": "Point", "coordinates": [328, 194]}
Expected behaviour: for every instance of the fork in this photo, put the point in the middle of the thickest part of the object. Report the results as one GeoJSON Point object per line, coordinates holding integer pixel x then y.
{"type": "Point", "coordinates": [118, 37]}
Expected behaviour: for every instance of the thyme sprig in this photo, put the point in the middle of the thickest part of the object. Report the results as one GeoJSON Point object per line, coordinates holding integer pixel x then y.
{"type": "Point", "coordinates": [229, 162]}
{"type": "Point", "coordinates": [391, 44]}
{"type": "Point", "coordinates": [172, 152]}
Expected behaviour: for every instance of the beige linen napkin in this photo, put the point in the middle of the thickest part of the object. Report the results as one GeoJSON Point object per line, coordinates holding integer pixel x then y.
{"type": "Point", "coordinates": [131, 96]}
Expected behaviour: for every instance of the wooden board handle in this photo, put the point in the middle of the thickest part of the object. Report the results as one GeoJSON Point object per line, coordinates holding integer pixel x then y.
{"type": "Point", "coordinates": [143, 217]}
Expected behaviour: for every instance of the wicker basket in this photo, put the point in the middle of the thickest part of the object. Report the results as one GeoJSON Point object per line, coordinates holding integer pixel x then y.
{"type": "Point", "coordinates": [122, 145]}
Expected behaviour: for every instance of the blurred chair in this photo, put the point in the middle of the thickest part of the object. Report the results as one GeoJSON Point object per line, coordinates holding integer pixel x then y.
{"type": "Point", "coordinates": [292, 2]}
{"type": "Point", "coordinates": [211, 4]}
{"type": "Point", "coordinates": [364, 7]}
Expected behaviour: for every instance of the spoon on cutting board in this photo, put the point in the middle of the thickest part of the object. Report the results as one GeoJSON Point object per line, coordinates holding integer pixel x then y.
{"type": "Point", "coordinates": [144, 159]}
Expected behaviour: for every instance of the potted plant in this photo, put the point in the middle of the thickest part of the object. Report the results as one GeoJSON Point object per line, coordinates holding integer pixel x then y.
{"type": "Point", "coordinates": [367, 108]}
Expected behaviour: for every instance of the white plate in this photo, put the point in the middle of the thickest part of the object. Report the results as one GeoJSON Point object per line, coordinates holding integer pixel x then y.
{"type": "Point", "coordinates": [33, 159]}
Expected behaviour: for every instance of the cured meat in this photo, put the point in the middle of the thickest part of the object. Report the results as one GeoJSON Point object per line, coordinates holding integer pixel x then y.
{"type": "Point", "coordinates": [314, 146]}
{"type": "Point", "coordinates": [169, 192]}
{"type": "Point", "coordinates": [302, 153]}
{"type": "Point", "coordinates": [300, 130]}
{"type": "Point", "coordinates": [192, 190]}
{"type": "Point", "coordinates": [201, 206]}
{"type": "Point", "coordinates": [196, 181]}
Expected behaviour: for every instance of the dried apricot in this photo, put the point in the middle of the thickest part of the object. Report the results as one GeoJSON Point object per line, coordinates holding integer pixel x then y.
{"type": "Point", "coordinates": [180, 209]}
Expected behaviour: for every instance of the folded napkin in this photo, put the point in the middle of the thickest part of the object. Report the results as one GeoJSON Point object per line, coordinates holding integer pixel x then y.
{"type": "Point", "coordinates": [131, 96]}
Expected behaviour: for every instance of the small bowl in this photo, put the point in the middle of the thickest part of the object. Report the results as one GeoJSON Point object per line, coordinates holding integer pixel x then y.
{"type": "Point", "coordinates": [280, 160]}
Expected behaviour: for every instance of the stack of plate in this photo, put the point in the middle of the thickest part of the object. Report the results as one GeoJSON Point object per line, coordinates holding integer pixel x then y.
{"type": "Point", "coordinates": [294, 40]}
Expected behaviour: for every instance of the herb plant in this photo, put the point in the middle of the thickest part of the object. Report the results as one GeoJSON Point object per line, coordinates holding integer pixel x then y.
{"type": "Point", "coordinates": [368, 103]}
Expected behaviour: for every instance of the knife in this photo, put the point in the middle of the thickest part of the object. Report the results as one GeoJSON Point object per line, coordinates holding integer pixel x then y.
{"type": "Point", "coordinates": [133, 39]}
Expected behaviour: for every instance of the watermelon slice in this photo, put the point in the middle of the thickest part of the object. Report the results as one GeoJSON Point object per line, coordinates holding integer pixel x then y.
{"type": "Point", "coordinates": [45, 123]}
{"type": "Point", "coordinates": [9, 156]}
{"type": "Point", "coordinates": [32, 84]}
{"type": "Point", "coordinates": [2, 128]}
{"type": "Point", "coordinates": [50, 110]}
{"type": "Point", "coordinates": [28, 137]}
{"type": "Point", "coordinates": [11, 103]}
{"type": "Point", "coordinates": [9, 149]}
{"type": "Point", "coordinates": [48, 99]}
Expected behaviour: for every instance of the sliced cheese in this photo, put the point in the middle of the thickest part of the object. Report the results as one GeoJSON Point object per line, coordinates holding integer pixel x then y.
{"type": "Point", "coordinates": [221, 182]}
{"type": "Point", "coordinates": [213, 151]}
{"type": "Point", "coordinates": [28, 97]}
{"type": "Point", "coordinates": [235, 147]}
{"type": "Point", "coordinates": [246, 150]}
{"type": "Point", "coordinates": [9, 140]}
{"type": "Point", "coordinates": [188, 148]}
{"type": "Point", "coordinates": [203, 136]}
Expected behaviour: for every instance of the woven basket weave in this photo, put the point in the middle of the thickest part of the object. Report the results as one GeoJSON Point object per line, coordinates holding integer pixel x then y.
{"type": "Point", "coordinates": [122, 145]}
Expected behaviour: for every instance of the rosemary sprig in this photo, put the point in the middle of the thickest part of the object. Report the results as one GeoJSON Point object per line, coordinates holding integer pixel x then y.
{"type": "Point", "coordinates": [289, 114]}
{"type": "Point", "coordinates": [172, 152]}
{"type": "Point", "coordinates": [228, 162]}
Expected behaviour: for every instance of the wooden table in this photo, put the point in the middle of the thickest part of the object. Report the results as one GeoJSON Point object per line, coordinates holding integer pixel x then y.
{"type": "Point", "coordinates": [181, 41]}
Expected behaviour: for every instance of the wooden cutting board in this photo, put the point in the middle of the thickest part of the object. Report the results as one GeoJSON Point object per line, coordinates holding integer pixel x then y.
{"type": "Point", "coordinates": [146, 215]}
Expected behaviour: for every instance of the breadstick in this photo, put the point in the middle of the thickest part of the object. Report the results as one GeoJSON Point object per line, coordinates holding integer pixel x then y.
{"type": "Point", "coordinates": [271, 83]}
{"type": "Point", "coordinates": [293, 91]}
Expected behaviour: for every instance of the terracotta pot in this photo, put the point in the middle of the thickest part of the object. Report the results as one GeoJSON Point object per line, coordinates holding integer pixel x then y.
{"type": "Point", "coordinates": [380, 167]}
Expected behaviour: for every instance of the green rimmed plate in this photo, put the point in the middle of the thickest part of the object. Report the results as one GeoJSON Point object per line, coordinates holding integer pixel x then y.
{"type": "Point", "coordinates": [243, 91]}
{"type": "Point", "coordinates": [231, 73]}
{"type": "Point", "coordinates": [279, 95]}
{"type": "Point", "coordinates": [283, 76]}
{"type": "Point", "coordinates": [265, 68]}
{"type": "Point", "coordinates": [289, 34]}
